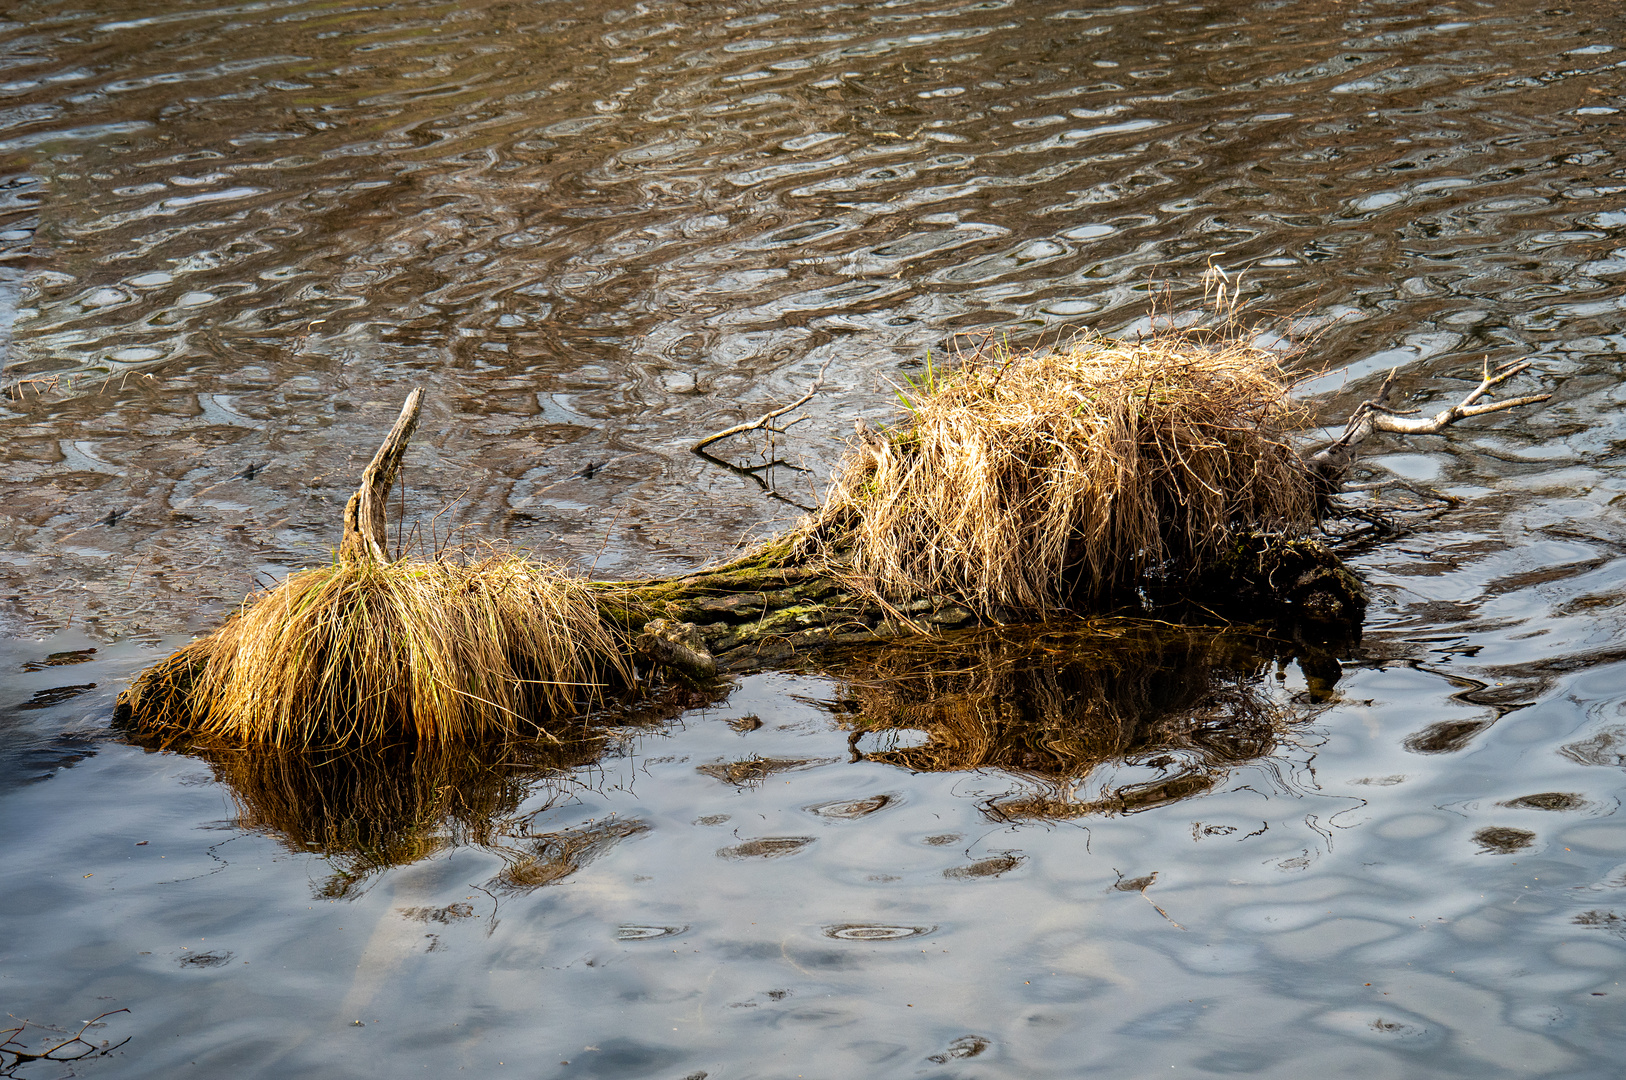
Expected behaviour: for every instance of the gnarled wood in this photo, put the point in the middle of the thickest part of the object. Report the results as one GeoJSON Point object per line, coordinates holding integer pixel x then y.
{"type": "Point", "coordinates": [365, 532]}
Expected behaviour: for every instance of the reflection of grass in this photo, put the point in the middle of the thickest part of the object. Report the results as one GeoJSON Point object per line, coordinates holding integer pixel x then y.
{"type": "Point", "coordinates": [366, 811]}
{"type": "Point", "coordinates": [1055, 705]}
{"type": "Point", "coordinates": [1035, 482]}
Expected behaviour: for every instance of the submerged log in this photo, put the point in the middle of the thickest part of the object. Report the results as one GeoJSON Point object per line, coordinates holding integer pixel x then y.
{"type": "Point", "coordinates": [766, 609]}
{"type": "Point", "coordinates": [763, 609]}
{"type": "Point", "coordinates": [1154, 476]}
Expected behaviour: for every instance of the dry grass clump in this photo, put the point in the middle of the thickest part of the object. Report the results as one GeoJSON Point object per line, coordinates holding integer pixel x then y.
{"type": "Point", "coordinates": [1033, 482]}
{"type": "Point", "coordinates": [433, 651]}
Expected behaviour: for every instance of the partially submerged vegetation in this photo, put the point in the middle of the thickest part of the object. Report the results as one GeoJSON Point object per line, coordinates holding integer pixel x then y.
{"type": "Point", "coordinates": [363, 651]}
{"type": "Point", "coordinates": [1020, 487]}
{"type": "Point", "coordinates": [1035, 484]}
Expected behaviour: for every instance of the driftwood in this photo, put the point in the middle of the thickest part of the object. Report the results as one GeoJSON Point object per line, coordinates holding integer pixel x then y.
{"type": "Point", "coordinates": [788, 598]}
{"type": "Point", "coordinates": [365, 534]}
{"type": "Point", "coordinates": [1333, 461]}
{"type": "Point", "coordinates": [766, 609]}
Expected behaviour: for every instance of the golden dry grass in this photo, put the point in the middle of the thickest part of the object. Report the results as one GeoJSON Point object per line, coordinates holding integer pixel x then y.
{"type": "Point", "coordinates": [1034, 482]}
{"type": "Point", "coordinates": [431, 651]}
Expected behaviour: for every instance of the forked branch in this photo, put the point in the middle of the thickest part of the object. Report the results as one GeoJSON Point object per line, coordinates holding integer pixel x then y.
{"type": "Point", "coordinates": [81, 1047]}
{"type": "Point", "coordinates": [365, 536]}
{"type": "Point", "coordinates": [766, 420]}
{"type": "Point", "coordinates": [1376, 415]}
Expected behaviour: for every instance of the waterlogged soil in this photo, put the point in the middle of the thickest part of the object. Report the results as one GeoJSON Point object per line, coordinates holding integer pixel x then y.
{"type": "Point", "coordinates": [234, 236]}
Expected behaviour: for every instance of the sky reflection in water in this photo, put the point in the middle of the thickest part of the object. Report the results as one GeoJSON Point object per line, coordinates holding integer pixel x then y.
{"type": "Point", "coordinates": [232, 238]}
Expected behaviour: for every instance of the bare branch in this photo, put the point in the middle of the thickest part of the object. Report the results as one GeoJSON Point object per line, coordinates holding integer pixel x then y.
{"type": "Point", "coordinates": [765, 419]}
{"type": "Point", "coordinates": [14, 1049]}
{"type": "Point", "coordinates": [365, 536]}
{"type": "Point", "coordinates": [1377, 415]}
{"type": "Point", "coordinates": [1388, 420]}
{"type": "Point", "coordinates": [1406, 485]}
{"type": "Point", "coordinates": [1433, 425]}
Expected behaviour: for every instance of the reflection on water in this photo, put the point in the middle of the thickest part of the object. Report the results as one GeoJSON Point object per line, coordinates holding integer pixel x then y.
{"type": "Point", "coordinates": [550, 857]}
{"type": "Point", "coordinates": [1502, 840]}
{"type": "Point", "coordinates": [370, 809]}
{"type": "Point", "coordinates": [1187, 705]}
{"type": "Point", "coordinates": [366, 811]}
{"type": "Point", "coordinates": [1184, 704]}
{"type": "Point", "coordinates": [232, 234]}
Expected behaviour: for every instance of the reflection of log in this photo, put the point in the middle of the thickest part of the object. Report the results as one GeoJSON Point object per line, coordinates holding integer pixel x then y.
{"type": "Point", "coordinates": [1052, 707]}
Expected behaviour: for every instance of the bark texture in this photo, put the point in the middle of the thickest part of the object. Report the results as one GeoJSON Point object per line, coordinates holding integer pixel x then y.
{"type": "Point", "coordinates": [366, 535]}
{"type": "Point", "coordinates": [766, 608]}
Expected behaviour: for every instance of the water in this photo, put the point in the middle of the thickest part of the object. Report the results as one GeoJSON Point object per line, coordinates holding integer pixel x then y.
{"type": "Point", "coordinates": [235, 236]}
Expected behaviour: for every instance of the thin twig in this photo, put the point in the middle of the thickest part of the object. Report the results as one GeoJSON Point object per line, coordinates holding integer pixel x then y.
{"type": "Point", "coordinates": [766, 418]}
{"type": "Point", "coordinates": [1159, 910]}
{"type": "Point", "coordinates": [13, 1048]}
{"type": "Point", "coordinates": [606, 543]}
{"type": "Point", "coordinates": [434, 531]}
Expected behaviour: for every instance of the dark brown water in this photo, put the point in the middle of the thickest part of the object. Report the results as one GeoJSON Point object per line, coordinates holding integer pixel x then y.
{"type": "Point", "coordinates": [235, 236]}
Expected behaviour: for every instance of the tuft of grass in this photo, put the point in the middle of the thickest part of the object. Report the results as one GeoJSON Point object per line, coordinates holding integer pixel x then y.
{"type": "Point", "coordinates": [361, 652]}
{"type": "Point", "coordinates": [1028, 482]}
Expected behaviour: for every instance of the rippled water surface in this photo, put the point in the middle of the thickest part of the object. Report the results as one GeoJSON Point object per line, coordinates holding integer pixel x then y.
{"type": "Point", "coordinates": [232, 237]}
